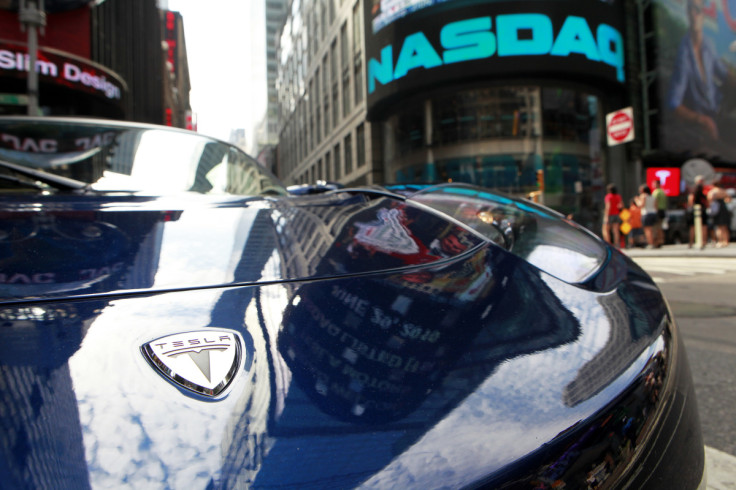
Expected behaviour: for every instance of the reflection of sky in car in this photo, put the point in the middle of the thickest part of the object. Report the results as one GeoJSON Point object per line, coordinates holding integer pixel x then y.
{"type": "Point", "coordinates": [164, 161]}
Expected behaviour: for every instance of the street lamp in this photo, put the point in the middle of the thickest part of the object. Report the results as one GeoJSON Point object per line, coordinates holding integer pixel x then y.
{"type": "Point", "coordinates": [32, 17]}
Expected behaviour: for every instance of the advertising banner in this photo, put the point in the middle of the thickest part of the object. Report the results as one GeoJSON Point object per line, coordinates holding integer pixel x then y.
{"type": "Point", "coordinates": [697, 80]}
{"type": "Point", "coordinates": [414, 45]}
{"type": "Point", "coordinates": [62, 69]}
{"type": "Point", "coordinates": [171, 37]}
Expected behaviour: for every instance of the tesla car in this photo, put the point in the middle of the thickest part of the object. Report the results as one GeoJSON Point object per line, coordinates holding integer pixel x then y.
{"type": "Point", "coordinates": [171, 317]}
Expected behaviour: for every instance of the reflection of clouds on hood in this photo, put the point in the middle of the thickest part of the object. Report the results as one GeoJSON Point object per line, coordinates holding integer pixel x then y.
{"type": "Point", "coordinates": [194, 262]}
{"type": "Point", "coordinates": [173, 437]}
{"type": "Point", "coordinates": [516, 408]}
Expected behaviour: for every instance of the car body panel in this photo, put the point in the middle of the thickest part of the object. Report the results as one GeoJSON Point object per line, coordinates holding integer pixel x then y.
{"type": "Point", "coordinates": [435, 338]}
{"type": "Point", "coordinates": [463, 371]}
{"type": "Point", "coordinates": [94, 247]}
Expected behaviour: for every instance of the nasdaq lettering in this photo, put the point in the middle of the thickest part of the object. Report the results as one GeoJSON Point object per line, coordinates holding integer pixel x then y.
{"type": "Point", "coordinates": [527, 34]}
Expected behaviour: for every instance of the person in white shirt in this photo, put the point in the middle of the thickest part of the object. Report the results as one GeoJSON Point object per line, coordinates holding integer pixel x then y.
{"type": "Point", "coordinates": [648, 204]}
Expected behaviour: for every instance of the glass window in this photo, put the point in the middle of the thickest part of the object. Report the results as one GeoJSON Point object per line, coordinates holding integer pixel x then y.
{"type": "Point", "coordinates": [568, 115]}
{"type": "Point", "coordinates": [348, 143]}
{"type": "Point", "coordinates": [360, 137]}
{"type": "Point", "coordinates": [345, 65]}
{"type": "Point", "coordinates": [409, 129]}
{"type": "Point", "coordinates": [344, 48]}
{"type": "Point", "coordinates": [357, 28]}
{"type": "Point", "coordinates": [335, 86]}
{"type": "Point", "coordinates": [326, 94]}
{"type": "Point", "coordinates": [338, 170]}
{"type": "Point", "coordinates": [328, 160]}
{"type": "Point", "coordinates": [358, 80]}
{"type": "Point", "coordinates": [486, 113]}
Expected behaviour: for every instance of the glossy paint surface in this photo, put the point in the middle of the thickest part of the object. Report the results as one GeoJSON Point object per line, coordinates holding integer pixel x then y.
{"type": "Point", "coordinates": [385, 347]}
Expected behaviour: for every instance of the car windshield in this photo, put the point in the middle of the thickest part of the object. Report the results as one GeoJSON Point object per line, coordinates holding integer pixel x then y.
{"type": "Point", "coordinates": [103, 156]}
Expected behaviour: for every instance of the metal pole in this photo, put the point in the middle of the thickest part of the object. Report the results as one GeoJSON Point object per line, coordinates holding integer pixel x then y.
{"type": "Point", "coordinates": [32, 18]}
{"type": "Point", "coordinates": [698, 224]}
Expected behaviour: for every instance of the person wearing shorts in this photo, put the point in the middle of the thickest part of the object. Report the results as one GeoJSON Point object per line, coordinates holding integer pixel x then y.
{"type": "Point", "coordinates": [648, 206]}
{"type": "Point", "coordinates": [611, 219]}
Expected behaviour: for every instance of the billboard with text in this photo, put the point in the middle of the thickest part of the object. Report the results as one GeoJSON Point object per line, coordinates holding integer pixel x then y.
{"type": "Point", "coordinates": [413, 46]}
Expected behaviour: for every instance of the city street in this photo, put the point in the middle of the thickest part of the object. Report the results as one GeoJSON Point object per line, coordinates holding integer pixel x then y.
{"type": "Point", "coordinates": [700, 290]}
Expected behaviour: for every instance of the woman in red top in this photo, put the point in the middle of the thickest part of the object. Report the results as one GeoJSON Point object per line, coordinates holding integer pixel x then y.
{"type": "Point", "coordinates": [611, 219]}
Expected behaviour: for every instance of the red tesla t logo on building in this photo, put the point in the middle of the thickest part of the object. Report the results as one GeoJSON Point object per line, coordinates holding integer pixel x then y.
{"type": "Point", "coordinates": [668, 177]}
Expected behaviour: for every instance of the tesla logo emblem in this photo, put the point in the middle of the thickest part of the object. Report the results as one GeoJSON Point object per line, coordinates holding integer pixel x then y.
{"type": "Point", "coordinates": [204, 362]}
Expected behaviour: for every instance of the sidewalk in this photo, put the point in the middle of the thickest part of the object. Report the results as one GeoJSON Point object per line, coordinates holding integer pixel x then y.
{"type": "Point", "coordinates": [682, 250]}
{"type": "Point", "coordinates": [721, 469]}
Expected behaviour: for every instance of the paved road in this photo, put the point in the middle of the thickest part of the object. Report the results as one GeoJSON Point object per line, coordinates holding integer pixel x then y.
{"type": "Point", "coordinates": [701, 289]}
{"type": "Point", "coordinates": [666, 269]}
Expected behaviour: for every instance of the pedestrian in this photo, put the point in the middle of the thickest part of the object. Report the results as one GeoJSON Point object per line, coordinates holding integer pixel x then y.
{"type": "Point", "coordinates": [611, 219]}
{"type": "Point", "coordinates": [660, 198]}
{"type": "Point", "coordinates": [648, 207]}
{"type": "Point", "coordinates": [718, 197]}
{"type": "Point", "coordinates": [697, 197]}
{"type": "Point", "coordinates": [635, 221]}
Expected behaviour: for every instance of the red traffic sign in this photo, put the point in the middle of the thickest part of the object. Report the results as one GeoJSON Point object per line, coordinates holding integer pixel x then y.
{"type": "Point", "coordinates": [620, 126]}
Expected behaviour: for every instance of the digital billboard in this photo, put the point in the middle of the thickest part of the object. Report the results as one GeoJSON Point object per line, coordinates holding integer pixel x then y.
{"type": "Point", "coordinates": [668, 177]}
{"type": "Point", "coordinates": [414, 45]}
{"type": "Point", "coordinates": [697, 85]}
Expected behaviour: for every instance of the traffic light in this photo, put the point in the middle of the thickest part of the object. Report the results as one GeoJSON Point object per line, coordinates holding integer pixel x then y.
{"type": "Point", "coordinates": [540, 180]}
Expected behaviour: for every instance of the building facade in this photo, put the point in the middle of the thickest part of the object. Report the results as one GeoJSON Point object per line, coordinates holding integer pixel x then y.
{"type": "Point", "coordinates": [323, 131]}
{"type": "Point", "coordinates": [118, 59]}
{"type": "Point", "coordinates": [515, 96]}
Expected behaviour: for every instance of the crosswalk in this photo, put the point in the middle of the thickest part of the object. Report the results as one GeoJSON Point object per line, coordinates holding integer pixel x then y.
{"type": "Point", "coordinates": [663, 268]}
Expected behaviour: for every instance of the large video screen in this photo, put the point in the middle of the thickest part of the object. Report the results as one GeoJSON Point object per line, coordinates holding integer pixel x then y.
{"type": "Point", "coordinates": [420, 45]}
{"type": "Point", "coordinates": [697, 76]}
{"type": "Point", "coordinates": [384, 12]}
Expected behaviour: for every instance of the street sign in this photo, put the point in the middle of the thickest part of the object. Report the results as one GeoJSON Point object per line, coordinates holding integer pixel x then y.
{"type": "Point", "coordinates": [620, 126]}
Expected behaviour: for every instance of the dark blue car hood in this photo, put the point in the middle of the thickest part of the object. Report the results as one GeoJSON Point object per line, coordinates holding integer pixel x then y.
{"type": "Point", "coordinates": [383, 346]}
{"type": "Point", "coordinates": [54, 247]}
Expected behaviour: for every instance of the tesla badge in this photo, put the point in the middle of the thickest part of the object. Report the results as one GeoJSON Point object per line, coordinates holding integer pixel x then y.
{"type": "Point", "coordinates": [204, 361]}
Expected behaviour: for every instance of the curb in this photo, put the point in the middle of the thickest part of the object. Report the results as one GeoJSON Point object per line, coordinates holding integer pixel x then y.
{"type": "Point", "coordinates": [682, 250]}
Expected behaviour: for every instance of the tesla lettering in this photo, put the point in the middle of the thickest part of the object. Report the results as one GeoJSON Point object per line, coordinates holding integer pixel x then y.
{"type": "Point", "coordinates": [516, 35]}
{"type": "Point", "coordinates": [194, 342]}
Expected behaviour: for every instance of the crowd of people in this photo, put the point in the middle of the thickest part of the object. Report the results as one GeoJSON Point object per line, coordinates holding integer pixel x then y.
{"type": "Point", "coordinates": [645, 214]}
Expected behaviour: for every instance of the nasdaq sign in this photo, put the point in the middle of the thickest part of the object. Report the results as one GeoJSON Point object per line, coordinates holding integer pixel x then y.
{"type": "Point", "coordinates": [516, 35]}
{"type": "Point", "coordinates": [460, 42]}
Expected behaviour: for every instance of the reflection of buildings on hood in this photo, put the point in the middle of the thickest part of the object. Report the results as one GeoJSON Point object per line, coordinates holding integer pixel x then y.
{"type": "Point", "coordinates": [370, 350]}
{"type": "Point", "coordinates": [358, 374]}
{"type": "Point", "coordinates": [246, 445]}
{"type": "Point", "coordinates": [627, 340]}
{"type": "Point", "coordinates": [40, 429]}
{"type": "Point", "coordinates": [362, 357]}
{"type": "Point", "coordinates": [308, 231]}
{"type": "Point", "coordinates": [617, 355]}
